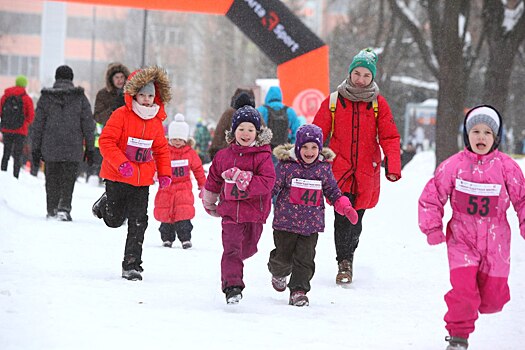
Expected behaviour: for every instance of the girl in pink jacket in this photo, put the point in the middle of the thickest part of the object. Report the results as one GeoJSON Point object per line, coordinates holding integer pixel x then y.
{"type": "Point", "coordinates": [241, 178]}
{"type": "Point", "coordinates": [480, 182]}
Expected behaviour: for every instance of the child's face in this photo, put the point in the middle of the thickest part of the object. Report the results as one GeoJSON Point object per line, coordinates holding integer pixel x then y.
{"type": "Point", "coordinates": [481, 138]}
{"type": "Point", "coordinates": [145, 99]}
{"type": "Point", "coordinates": [309, 152]}
{"type": "Point", "coordinates": [245, 133]}
{"type": "Point", "coordinates": [178, 143]}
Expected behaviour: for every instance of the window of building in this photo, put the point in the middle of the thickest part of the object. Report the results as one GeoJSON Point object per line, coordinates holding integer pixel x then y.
{"type": "Point", "coordinates": [15, 65]}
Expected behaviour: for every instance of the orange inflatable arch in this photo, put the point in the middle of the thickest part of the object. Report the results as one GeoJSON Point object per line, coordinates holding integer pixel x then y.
{"type": "Point", "coordinates": [301, 57]}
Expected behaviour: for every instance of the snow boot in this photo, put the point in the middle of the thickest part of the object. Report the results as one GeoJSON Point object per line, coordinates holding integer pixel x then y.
{"type": "Point", "coordinates": [98, 205]}
{"type": "Point", "coordinates": [186, 245]}
{"type": "Point", "coordinates": [132, 275]}
{"type": "Point", "coordinates": [345, 273]}
{"type": "Point", "coordinates": [298, 298]}
{"type": "Point", "coordinates": [279, 283]}
{"type": "Point", "coordinates": [456, 343]}
{"type": "Point", "coordinates": [63, 215]}
{"type": "Point", "coordinates": [167, 244]}
{"type": "Point", "coordinates": [233, 295]}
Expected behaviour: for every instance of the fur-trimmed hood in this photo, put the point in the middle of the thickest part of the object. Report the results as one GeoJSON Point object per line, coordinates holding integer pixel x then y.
{"type": "Point", "coordinates": [114, 68]}
{"type": "Point", "coordinates": [263, 137]}
{"type": "Point", "coordinates": [141, 77]}
{"type": "Point", "coordinates": [286, 152]}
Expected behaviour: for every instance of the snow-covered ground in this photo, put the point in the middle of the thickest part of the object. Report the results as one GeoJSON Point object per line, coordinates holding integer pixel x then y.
{"type": "Point", "coordinates": [60, 284]}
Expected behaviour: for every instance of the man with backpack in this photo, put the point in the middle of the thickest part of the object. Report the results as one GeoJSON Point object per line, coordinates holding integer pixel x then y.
{"type": "Point", "coordinates": [279, 118]}
{"type": "Point", "coordinates": [16, 114]}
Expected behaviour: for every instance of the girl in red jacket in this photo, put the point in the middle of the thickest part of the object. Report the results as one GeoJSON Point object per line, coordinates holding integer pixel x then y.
{"type": "Point", "coordinates": [133, 147]}
{"type": "Point", "coordinates": [174, 204]}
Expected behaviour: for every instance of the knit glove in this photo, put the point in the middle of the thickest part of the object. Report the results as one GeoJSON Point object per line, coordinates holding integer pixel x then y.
{"type": "Point", "coordinates": [344, 207]}
{"type": "Point", "coordinates": [208, 201]}
{"type": "Point", "coordinates": [231, 174]}
{"type": "Point", "coordinates": [125, 169]}
{"type": "Point", "coordinates": [164, 181]}
{"type": "Point", "coordinates": [435, 237]}
{"type": "Point", "coordinates": [88, 157]}
{"type": "Point", "coordinates": [242, 178]}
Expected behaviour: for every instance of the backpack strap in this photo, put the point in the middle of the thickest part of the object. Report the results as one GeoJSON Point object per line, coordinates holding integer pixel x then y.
{"type": "Point", "coordinates": [333, 105]}
{"type": "Point", "coordinates": [375, 105]}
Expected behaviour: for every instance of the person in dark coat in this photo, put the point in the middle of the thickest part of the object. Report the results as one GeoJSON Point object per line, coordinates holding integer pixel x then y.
{"type": "Point", "coordinates": [14, 138]}
{"type": "Point", "coordinates": [240, 98]}
{"type": "Point", "coordinates": [63, 126]}
{"type": "Point", "coordinates": [303, 178]}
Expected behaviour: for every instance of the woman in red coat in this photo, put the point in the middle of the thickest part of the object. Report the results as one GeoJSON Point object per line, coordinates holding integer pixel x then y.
{"type": "Point", "coordinates": [174, 204]}
{"type": "Point", "coordinates": [356, 135]}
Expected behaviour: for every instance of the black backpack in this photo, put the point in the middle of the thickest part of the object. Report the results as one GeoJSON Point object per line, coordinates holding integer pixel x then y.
{"type": "Point", "coordinates": [278, 123]}
{"type": "Point", "coordinates": [12, 113]}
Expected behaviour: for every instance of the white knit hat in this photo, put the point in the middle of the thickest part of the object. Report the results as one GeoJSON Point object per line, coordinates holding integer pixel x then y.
{"type": "Point", "coordinates": [179, 129]}
{"type": "Point", "coordinates": [483, 114]}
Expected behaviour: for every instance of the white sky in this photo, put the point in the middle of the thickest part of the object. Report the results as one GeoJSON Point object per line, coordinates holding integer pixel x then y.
{"type": "Point", "coordinates": [60, 285]}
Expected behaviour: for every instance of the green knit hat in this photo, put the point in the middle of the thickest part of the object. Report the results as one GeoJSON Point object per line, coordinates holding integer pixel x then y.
{"type": "Point", "coordinates": [366, 58]}
{"type": "Point", "coordinates": [21, 80]}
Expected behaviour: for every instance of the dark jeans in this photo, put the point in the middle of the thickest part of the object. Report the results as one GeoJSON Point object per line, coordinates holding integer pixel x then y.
{"type": "Point", "coordinates": [347, 235]}
{"type": "Point", "coordinates": [181, 229]}
{"type": "Point", "coordinates": [131, 202]}
{"type": "Point", "coordinates": [293, 254]}
{"type": "Point", "coordinates": [60, 183]}
{"type": "Point", "coordinates": [13, 145]}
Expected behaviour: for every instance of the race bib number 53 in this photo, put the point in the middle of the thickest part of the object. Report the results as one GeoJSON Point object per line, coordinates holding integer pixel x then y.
{"type": "Point", "coordinates": [477, 199]}
{"type": "Point", "coordinates": [306, 192]}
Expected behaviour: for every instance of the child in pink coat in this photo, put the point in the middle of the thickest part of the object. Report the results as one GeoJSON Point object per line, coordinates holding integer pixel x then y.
{"type": "Point", "coordinates": [481, 182]}
{"type": "Point", "coordinates": [241, 178]}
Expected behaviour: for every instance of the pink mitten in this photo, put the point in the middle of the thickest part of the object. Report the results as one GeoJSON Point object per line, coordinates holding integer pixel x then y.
{"type": "Point", "coordinates": [125, 169]}
{"type": "Point", "coordinates": [243, 180]}
{"type": "Point", "coordinates": [231, 174]}
{"type": "Point", "coordinates": [435, 237]}
{"type": "Point", "coordinates": [344, 207]}
{"type": "Point", "coordinates": [208, 201]}
{"type": "Point", "coordinates": [201, 192]}
{"type": "Point", "coordinates": [164, 181]}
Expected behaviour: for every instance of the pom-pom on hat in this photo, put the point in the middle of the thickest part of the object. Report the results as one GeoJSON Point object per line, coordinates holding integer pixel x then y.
{"type": "Point", "coordinates": [179, 129]}
{"type": "Point", "coordinates": [64, 72]}
{"type": "Point", "coordinates": [21, 81]}
{"type": "Point", "coordinates": [366, 58]}
{"type": "Point", "coordinates": [487, 115]}
{"type": "Point", "coordinates": [246, 114]}
{"type": "Point", "coordinates": [308, 133]}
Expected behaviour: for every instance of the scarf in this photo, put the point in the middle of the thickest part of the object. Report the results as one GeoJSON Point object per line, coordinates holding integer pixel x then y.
{"type": "Point", "coordinates": [143, 111]}
{"type": "Point", "coordinates": [357, 94]}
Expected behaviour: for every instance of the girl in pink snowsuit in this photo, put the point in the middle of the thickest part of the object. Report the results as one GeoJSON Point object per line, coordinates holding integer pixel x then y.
{"type": "Point", "coordinates": [480, 182]}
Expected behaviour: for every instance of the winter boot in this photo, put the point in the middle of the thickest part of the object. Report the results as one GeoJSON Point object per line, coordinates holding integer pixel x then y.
{"type": "Point", "coordinates": [298, 298]}
{"type": "Point", "coordinates": [233, 295]}
{"type": "Point", "coordinates": [456, 343]}
{"type": "Point", "coordinates": [99, 204]}
{"type": "Point", "coordinates": [63, 215]}
{"type": "Point", "coordinates": [186, 245]}
{"type": "Point", "coordinates": [132, 275]}
{"type": "Point", "coordinates": [279, 283]}
{"type": "Point", "coordinates": [344, 274]}
{"type": "Point", "coordinates": [167, 244]}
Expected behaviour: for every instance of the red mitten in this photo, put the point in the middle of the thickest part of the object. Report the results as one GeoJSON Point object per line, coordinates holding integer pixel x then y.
{"type": "Point", "coordinates": [243, 180]}
{"type": "Point", "coordinates": [231, 174]}
{"type": "Point", "coordinates": [435, 237]}
{"type": "Point", "coordinates": [164, 181]}
{"type": "Point", "coordinates": [344, 207]}
{"type": "Point", "coordinates": [125, 169]}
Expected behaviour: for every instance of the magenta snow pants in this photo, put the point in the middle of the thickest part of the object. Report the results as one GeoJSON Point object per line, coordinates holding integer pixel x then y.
{"type": "Point", "coordinates": [239, 241]}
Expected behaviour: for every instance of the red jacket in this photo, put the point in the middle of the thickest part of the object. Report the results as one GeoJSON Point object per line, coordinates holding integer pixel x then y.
{"type": "Point", "coordinates": [175, 203]}
{"type": "Point", "coordinates": [123, 124]}
{"type": "Point", "coordinates": [29, 111]}
{"type": "Point", "coordinates": [356, 139]}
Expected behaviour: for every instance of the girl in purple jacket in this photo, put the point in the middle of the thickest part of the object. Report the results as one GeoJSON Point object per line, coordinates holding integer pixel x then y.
{"type": "Point", "coordinates": [304, 177]}
{"type": "Point", "coordinates": [481, 182]}
{"type": "Point", "coordinates": [241, 178]}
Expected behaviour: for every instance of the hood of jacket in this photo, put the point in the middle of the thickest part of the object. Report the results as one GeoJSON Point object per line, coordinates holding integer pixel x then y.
{"type": "Point", "coordinates": [274, 95]}
{"type": "Point", "coordinates": [263, 137]}
{"type": "Point", "coordinates": [62, 88]}
{"type": "Point", "coordinates": [113, 69]}
{"type": "Point", "coordinates": [286, 152]}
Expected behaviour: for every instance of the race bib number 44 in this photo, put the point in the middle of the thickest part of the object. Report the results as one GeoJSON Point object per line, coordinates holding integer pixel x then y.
{"type": "Point", "coordinates": [180, 168]}
{"type": "Point", "coordinates": [306, 192]}
{"type": "Point", "coordinates": [477, 199]}
{"type": "Point", "coordinates": [139, 150]}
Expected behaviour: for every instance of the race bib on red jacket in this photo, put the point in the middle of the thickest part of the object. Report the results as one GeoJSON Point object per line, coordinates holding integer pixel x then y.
{"type": "Point", "coordinates": [306, 192]}
{"type": "Point", "coordinates": [139, 150]}
{"type": "Point", "coordinates": [477, 199]}
{"type": "Point", "coordinates": [180, 168]}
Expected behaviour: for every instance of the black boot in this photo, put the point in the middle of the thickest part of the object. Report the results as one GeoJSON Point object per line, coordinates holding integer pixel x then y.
{"type": "Point", "coordinates": [98, 207]}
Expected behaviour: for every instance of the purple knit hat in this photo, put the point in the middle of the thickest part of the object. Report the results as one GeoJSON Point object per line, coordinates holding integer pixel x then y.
{"type": "Point", "coordinates": [308, 133]}
{"type": "Point", "coordinates": [246, 114]}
